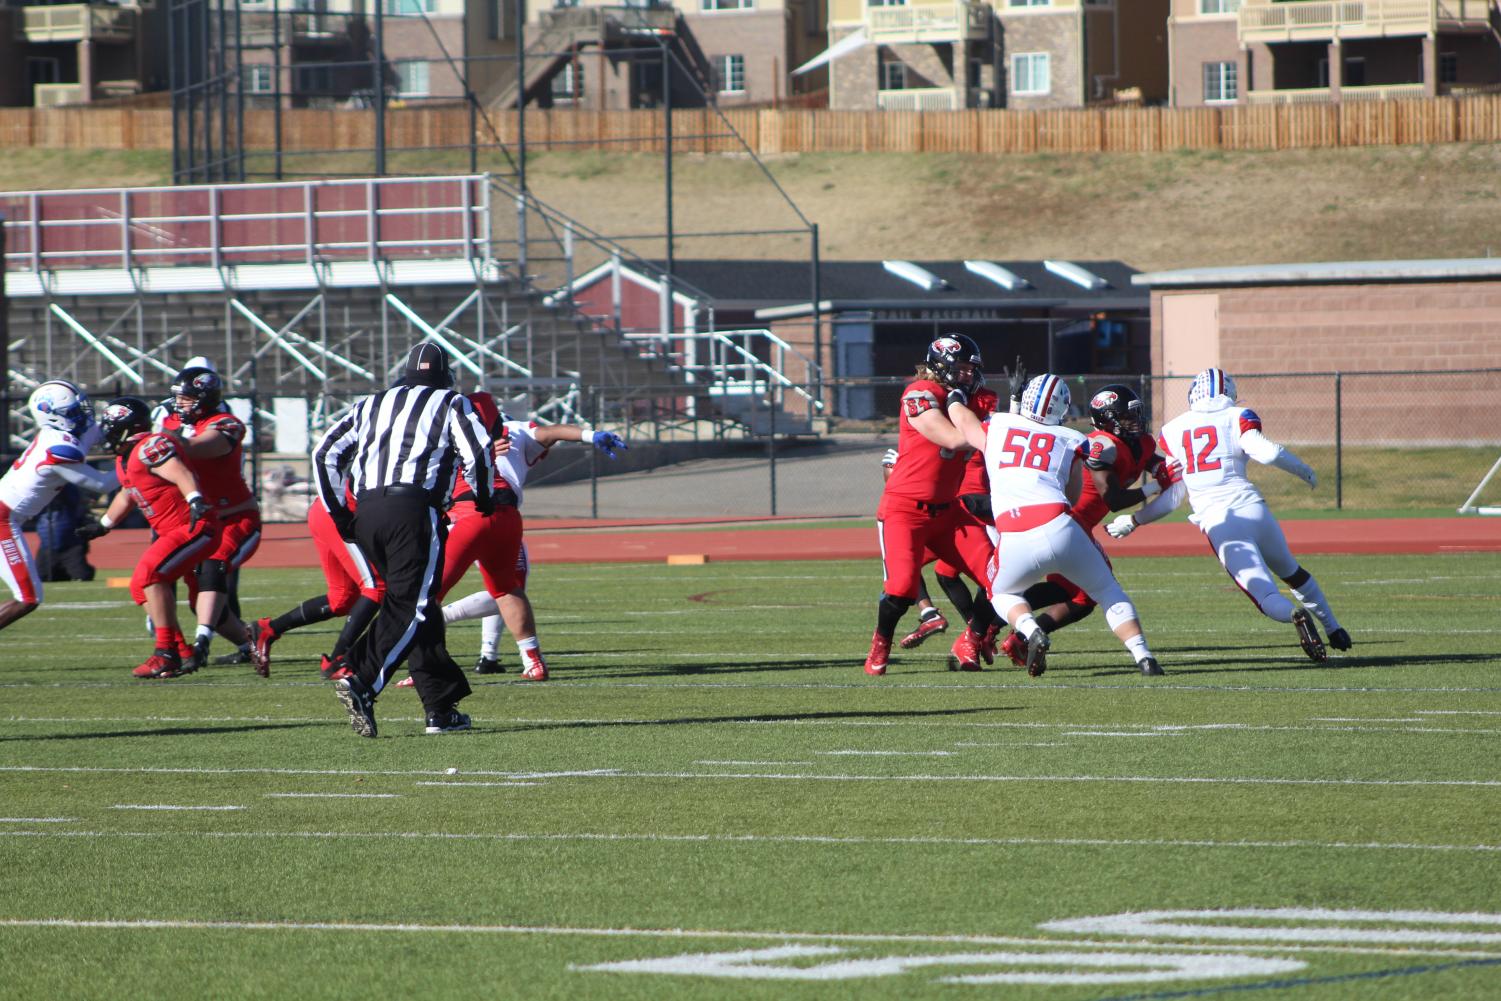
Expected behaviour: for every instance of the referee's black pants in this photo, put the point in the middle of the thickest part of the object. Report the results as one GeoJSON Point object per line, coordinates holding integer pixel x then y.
{"type": "Point", "coordinates": [403, 536]}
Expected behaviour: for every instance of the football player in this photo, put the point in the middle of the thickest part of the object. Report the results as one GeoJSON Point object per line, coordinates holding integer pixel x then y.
{"type": "Point", "coordinates": [1119, 451]}
{"type": "Point", "coordinates": [1209, 446]}
{"type": "Point", "coordinates": [1036, 476]}
{"type": "Point", "coordinates": [157, 480]}
{"type": "Point", "coordinates": [919, 512]}
{"type": "Point", "coordinates": [65, 431]}
{"type": "Point", "coordinates": [212, 439]}
{"type": "Point", "coordinates": [930, 620]}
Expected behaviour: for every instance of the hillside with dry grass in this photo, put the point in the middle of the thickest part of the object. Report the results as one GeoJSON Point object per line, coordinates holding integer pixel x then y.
{"type": "Point", "coordinates": [1153, 211]}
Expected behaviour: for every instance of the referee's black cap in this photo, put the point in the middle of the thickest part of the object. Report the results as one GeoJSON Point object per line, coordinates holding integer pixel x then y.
{"type": "Point", "coordinates": [428, 365]}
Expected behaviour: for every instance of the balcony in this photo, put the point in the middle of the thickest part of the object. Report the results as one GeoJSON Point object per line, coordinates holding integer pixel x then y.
{"type": "Point", "coordinates": [1325, 20]}
{"type": "Point", "coordinates": [918, 99]}
{"type": "Point", "coordinates": [53, 95]}
{"type": "Point", "coordinates": [77, 22]}
{"type": "Point", "coordinates": [928, 23]}
{"type": "Point", "coordinates": [1321, 95]}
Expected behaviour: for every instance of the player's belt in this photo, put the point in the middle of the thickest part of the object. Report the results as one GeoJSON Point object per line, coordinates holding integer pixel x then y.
{"type": "Point", "coordinates": [933, 507]}
{"type": "Point", "coordinates": [396, 490]}
{"type": "Point", "coordinates": [1020, 519]}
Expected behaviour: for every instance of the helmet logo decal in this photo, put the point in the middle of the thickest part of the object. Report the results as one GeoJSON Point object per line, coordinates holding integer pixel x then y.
{"type": "Point", "coordinates": [947, 345]}
{"type": "Point", "coordinates": [1104, 398]}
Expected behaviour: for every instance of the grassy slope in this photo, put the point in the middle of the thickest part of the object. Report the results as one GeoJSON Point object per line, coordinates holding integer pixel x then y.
{"type": "Point", "coordinates": [1153, 211]}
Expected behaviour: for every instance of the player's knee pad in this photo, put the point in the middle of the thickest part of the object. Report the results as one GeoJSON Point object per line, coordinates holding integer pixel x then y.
{"type": "Point", "coordinates": [895, 604]}
{"type": "Point", "coordinates": [213, 575]}
{"type": "Point", "coordinates": [1120, 612]}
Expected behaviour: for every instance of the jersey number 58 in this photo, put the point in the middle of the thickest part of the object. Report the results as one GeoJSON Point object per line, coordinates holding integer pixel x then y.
{"type": "Point", "coordinates": [1030, 450]}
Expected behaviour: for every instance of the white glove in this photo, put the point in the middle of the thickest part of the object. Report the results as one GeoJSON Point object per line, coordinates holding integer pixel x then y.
{"type": "Point", "coordinates": [889, 459]}
{"type": "Point", "coordinates": [1122, 526]}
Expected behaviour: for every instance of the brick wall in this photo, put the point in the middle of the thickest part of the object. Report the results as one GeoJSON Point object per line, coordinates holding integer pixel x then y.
{"type": "Point", "coordinates": [1057, 35]}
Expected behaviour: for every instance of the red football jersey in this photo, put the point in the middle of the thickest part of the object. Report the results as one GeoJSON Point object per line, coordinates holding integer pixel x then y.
{"type": "Point", "coordinates": [160, 501]}
{"type": "Point", "coordinates": [925, 472]}
{"type": "Point", "coordinates": [976, 479]}
{"type": "Point", "coordinates": [1106, 451]}
{"type": "Point", "coordinates": [222, 479]}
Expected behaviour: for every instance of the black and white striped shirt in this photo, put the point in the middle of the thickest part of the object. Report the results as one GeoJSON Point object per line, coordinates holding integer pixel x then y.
{"type": "Point", "coordinates": [416, 435]}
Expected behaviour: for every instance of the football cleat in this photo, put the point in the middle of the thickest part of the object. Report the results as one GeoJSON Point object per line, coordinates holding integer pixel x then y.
{"type": "Point", "coordinates": [334, 668]}
{"type": "Point", "coordinates": [161, 664]}
{"type": "Point", "coordinates": [1037, 654]}
{"type": "Point", "coordinates": [1308, 636]}
{"type": "Point", "coordinates": [200, 654]}
{"type": "Point", "coordinates": [1339, 639]}
{"type": "Point", "coordinates": [535, 669]}
{"type": "Point", "coordinates": [235, 656]}
{"type": "Point", "coordinates": [1016, 648]}
{"type": "Point", "coordinates": [987, 645]}
{"type": "Point", "coordinates": [932, 623]}
{"type": "Point", "coordinates": [1149, 667]}
{"type": "Point", "coordinates": [964, 655]}
{"type": "Point", "coordinates": [261, 638]}
{"type": "Point", "coordinates": [488, 665]}
{"type": "Point", "coordinates": [359, 703]}
{"type": "Point", "coordinates": [448, 721]}
{"type": "Point", "coordinates": [406, 682]}
{"type": "Point", "coordinates": [880, 652]}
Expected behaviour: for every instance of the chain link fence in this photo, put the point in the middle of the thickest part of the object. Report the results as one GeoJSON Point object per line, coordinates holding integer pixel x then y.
{"type": "Point", "coordinates": [1379, 441]}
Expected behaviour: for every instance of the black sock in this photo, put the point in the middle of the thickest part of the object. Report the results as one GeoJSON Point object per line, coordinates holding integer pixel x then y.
{"type": "Point", "coordinates": [305, 614]}
{"type": "Point", "coordinates": [889, 612]}
{"type": "Point", "coordinates": [360, 614]}
{"type": "Point", "coordinates": [959, 597]}
{"type": "Point", "coordinates": [984, 616]}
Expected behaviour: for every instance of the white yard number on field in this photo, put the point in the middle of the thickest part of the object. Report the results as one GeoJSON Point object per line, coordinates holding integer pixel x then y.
{"type": "Point", "coordinates": [1044, 967]}
{"type": "Point", "coordinates": [1295, 924]}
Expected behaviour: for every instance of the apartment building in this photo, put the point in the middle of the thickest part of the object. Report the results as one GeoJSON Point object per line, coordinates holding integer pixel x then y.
{"type": "Point", "coordinates": [80, 52]}
{"type": "Point", "coordinates": [944, 54]}
{"type": "Point", "coordinates": [1261, 51]}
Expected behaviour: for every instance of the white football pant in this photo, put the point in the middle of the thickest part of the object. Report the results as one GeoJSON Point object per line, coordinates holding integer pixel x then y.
{"type": "Point", "coordinates": [1062, 547]}
{"type": "Point", "coordinates": [1251, 547]}
{"type": "Point", "coordinates": [17, 568]}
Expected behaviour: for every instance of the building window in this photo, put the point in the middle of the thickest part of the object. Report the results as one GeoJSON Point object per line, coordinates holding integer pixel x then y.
{"type": "Point", "coordinates": [1218, 6]}
{"type": "Point", "coordinates": [1220, 82]}
{"type": "Point", "coordinates": [1030, 3]}
{"type": "Point", "coordinates": [886, 3]}
{"type": "Point", "coordinates": [411, 77]}
{"type": "Point", "coordinates": [568, 86]}
{"type": "Point", "coordinates": [709, 6]}
{"type": "Point", "coordinates": [893, 74]}
{"type": "Point", "coordinates": [396, 8]}
{"type": "Point", "coordinates": [1448, 67]}
{"type": "Point", "coordinates": [729, 74]}
{"type": "Point", "coordinates": [1030, 73]}
{"type": "Point", "coordinates": [262, 79]}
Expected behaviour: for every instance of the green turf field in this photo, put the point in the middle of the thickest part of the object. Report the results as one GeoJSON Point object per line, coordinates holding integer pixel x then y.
{"type": "Point", "coordinates": [710, 800]}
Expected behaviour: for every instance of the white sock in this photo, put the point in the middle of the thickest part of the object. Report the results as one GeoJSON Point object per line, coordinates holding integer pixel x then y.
{"type": "Point", "coordinates": [1138, 646]}
{"type": "Point", "coordinates": [1026, 625]}
{"type": "Point", "coordinates": [1311, 596]}
{"type": "Point", "coordinates": [203, 633]}
{"type": "Point", "coordinates": [490, 630]}
{"type": "Point", "coordinates": [474, 606]}
{"type": "Point", "coordinates": [928, 613]}
{"type": "Point", "coordinates": [531, 643]}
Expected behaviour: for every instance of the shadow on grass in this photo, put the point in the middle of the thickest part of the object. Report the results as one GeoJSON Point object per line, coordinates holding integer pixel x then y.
{"type": "Point", "coordinates": [791, 717]}
{"type": "Point", "coordinates": [168, 731]}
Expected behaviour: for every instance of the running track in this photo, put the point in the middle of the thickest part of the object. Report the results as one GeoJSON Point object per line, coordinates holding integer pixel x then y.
{"type": "Point", "coordinates": [607, 541]}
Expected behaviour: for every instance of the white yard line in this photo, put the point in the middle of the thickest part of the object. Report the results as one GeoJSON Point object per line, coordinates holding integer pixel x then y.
{"type": "Point", "coordinates": [157, 924]}
{"type": "Point", "coordinates": [785, 839]}
{"type": "Point", "coordinates": [165, 806]}
{"type": "Point", "coordinates": [478, 784]}
{"type": "Point", "coordinates": [612, 773]}
{"type": "Point", "coordinates": [755, 764]}
{"type": "Point", "coordinates": [38, 820]}
{"type": "Point", "coordinates": [887, 754]}
{"type": "Point", "coordinates": [333, 795]}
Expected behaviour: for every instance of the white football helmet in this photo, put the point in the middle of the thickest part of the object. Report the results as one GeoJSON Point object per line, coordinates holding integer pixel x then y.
{"type": "Point", "coordinates": [1046, 400]}
{"type": "Point", "coordinates": [1210, 383]}
{"type": "Point", "coordinates": [62, 406]}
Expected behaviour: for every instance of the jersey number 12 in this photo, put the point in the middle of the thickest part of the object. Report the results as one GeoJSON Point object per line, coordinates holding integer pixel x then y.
{"type": "Point", "coordinates": [1201, 462]}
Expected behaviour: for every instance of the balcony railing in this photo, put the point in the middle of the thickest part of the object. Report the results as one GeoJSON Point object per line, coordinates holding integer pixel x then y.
{"type": "Point", "coordinates": [918, 99]}
{"type": "Point", "coordinates": [76, 22]}
{"type": "Point", "coordinates": [929, 23]}
{"type": "Point", "coordinates": [51, 95]}
{"type": "Point", "coordinates": [1321, 95]}
{"type": "Point", "coordinates": [1313, 20]}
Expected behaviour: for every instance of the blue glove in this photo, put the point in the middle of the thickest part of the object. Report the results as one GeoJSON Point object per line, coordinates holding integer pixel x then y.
{"type": "Point", "coordinates": [608, 442]}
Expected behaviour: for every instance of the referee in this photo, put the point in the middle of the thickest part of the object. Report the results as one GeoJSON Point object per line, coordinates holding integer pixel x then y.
{"type": "Point", "coordinates": [405, 445]}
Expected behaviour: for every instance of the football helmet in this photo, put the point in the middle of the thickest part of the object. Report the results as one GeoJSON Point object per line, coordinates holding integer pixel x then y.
{"type": "Point", "coordinates": [202, 387]}
{"type": "Point", "coordinates": [947, 353]}
{"type": "Point", "coordinates": [61, 406]}
{"type": "Point", "coordinates": [1118, 410]}
{"type": "Point", "coordinates": [125, 418]}
{"type": "Point", "coordinates": [1210, 383]}
{"type": "Point", "coordinates": [1046, 400]}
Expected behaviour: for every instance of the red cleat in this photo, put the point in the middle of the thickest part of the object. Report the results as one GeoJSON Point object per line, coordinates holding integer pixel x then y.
{"type": "Point", "coordinates": [161, 664]}
{"type": "Point", "coordinates": [535, 669]}
{"type": "Point", "coordinates": [334, 668]}
{"type": "Point", "coordinates": [965, 653]}
{"type": "Point", "coordinates": [880, 652]}
{"type": "Point", "coordinates": [987, 645]}
{"type": "Point", "coordinates": [1016, 648]}
{"type": "Point", "coordinates": [261, 638]}
{"type": "Point", "coordinates": [929, 626]}
{"type": "Point", "coordinates": [406, 682]}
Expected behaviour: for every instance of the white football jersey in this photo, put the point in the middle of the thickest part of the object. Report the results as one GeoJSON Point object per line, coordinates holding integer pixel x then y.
{"type": "Point", "coordinates": [32, 482]}
{"type": "Point", "coordinates": [1207, 445]}
{"type": "Point", "coordinates": [525, 453]}
{"type": "Point", "coordinates": [1029, 462]}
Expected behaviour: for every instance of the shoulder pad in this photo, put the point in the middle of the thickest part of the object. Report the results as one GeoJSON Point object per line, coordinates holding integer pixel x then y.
{"type": "Point", "coordinates": [65, 453]}
{"type": "Point", "coordinates": [155, 449]}
{"type": "Point", "coordinates": [1101, 452]}
{"type": "Point", "coordinates": [1249, 421]}
{"type": "Point", "coordinates": [919, 399]}
{"type": "Point", "coordinates": [228, 425]}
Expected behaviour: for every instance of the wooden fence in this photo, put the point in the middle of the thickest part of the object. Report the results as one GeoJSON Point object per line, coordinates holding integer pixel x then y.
{"type": "Point", "coordinates": [782, 130]}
